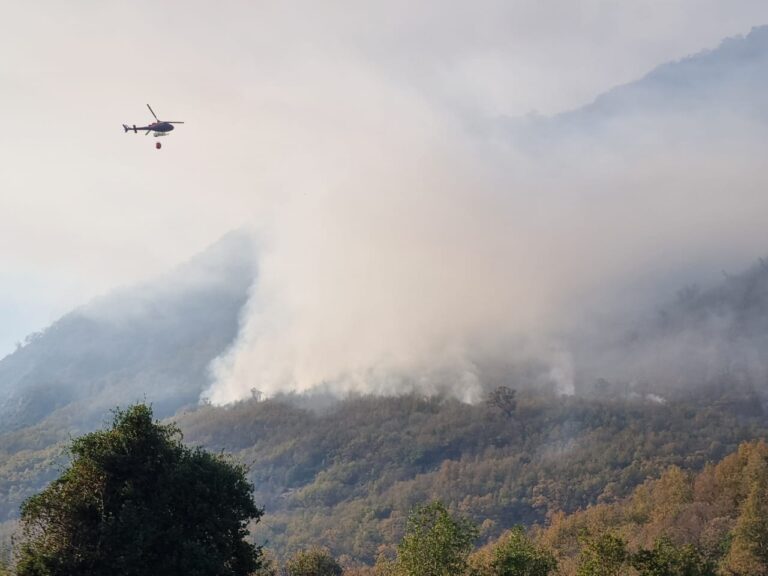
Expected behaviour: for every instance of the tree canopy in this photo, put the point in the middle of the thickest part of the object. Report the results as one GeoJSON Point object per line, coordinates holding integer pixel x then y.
{"type": "Point", "coordinates": [136, 501]}
{"type": "Point", "coordinates": [517, 555]}
{"type": "Point", "coordinates": [605, 555]}
{"type": "Point", "coordinates": [666, 559]}
{"type": "Point", "coordinates": [313, 562]}
{"type": "Point", "coordinates": [435, 542]}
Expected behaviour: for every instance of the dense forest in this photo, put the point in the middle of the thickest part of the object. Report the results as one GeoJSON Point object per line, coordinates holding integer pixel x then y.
{"type": "Point", "coordinates": [714, 522]}
{"type": "Point", "coordinates": [680, 523]}
{"type": "Point", "coordinates": [345, 477]}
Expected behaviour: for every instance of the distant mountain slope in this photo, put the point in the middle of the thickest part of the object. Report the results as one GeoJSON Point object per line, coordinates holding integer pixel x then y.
{"type": "Point", "coordinates": [740, 303]}
{"type": "Point", "coordinates": [704, 338]}
{"type": "Point", "coordinates": [733, 73]}
{"type": "Point", "coordinates": [150, 342]}
{"type": "Point", "coordinates": [729, 82]}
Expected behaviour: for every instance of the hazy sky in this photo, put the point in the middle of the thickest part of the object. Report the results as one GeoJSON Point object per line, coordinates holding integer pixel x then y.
{"type": "Point", "coordinates": [278, 98]}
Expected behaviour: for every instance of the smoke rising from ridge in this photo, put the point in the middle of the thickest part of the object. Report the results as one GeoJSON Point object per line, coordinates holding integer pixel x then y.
{"type": "Point", "coordinates": [409, 244]}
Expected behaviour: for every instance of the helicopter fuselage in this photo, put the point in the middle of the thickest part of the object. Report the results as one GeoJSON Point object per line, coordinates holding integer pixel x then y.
{"type": "Point", "coordinates": [156, 127]}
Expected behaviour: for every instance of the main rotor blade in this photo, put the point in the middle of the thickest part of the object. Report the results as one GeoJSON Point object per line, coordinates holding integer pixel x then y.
{"type": "Point", "coordinates": [173, 122]}
{"type": "Point", "coordinates": [153, 112]}
{"type": "Point", "coordinates": [147, 132]}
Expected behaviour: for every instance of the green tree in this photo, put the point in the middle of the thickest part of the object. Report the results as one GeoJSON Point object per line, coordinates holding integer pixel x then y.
{"type": "Point", "coordinates": [666, 559]}
{"type": "Point", "coordinates": [313, 562]}
{"type": "Point", "coordinates": [604, 555]}
{"type": "Point", "coordinates": [136, 501]}
{"type": "Point", "coordinates": [435, 542]}
{"type": "Point", "coordinates": [516, 555]}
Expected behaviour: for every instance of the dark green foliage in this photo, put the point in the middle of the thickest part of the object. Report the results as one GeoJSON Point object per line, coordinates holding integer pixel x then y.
{"type": "Point", "coordinates": [516, 555]}
{"type": "Point", "coordinates": [136, 501]}
{"type": "Point", "coordinates": [313, 562]}
{"type": "Point", "coordinates": [435, 542]}
{"type": "Point", "coordinates": [666, 559]}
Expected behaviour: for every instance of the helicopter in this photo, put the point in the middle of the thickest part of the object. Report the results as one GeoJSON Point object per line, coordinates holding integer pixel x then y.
{"type": "Point", "coordinates": [159, 128]}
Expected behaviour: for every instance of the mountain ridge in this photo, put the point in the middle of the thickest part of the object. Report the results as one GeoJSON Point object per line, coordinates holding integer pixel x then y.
{"type": "Point", "coordinates": [730, 79]}
{"type": "Point", "coordinates": [152, 341]}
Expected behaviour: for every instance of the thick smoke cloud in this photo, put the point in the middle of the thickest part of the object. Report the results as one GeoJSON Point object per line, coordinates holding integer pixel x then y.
{"type": "Point", "coordinates": [414, 246]}
{"type": "Point", "coordinates": [385, 259]}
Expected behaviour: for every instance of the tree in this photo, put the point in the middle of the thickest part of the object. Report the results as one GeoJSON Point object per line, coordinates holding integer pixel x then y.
{"type": "Point", "coordinates": [504, 399]}
{"type": "Point", "coordinates": [604, 555]}
{"type": "Point", "coordinates": [748, 553]}
{"type": "Point", "coordinates": [666, 559]}
{"type": "Point", "coordinates": [517, 555]}
{"type": "Point", "coordinates": [136, 501]}
{"type": "Point", "coordinates": [435, 543]}
{"type": "Point", "coordinates": [313, 562]}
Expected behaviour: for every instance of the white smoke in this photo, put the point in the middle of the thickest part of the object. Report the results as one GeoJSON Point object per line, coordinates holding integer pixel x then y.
{"type": "Point", "coordinates": [405, 247]}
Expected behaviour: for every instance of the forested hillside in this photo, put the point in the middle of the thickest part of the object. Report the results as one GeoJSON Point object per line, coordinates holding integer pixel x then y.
{"type": "Point", "coordinates": [721, 512]}
{"type": "Point", "coordinates": [346, 478]}
{"type": "Point", "coordinates": [680, 518]}
{"type": "Point", "coordinates": [710, 523]}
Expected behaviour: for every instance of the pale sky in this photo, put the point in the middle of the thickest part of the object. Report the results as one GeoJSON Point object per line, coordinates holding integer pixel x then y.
{"type": "Point", "coordinates": [263, 87]}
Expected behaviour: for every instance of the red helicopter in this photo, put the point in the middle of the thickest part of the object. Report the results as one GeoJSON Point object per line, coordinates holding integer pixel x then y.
{"type": "Point", "coordinates": [159, 128]}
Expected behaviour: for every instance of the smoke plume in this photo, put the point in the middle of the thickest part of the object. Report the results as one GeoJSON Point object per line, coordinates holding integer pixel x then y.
{"type": "Point", "coordinates": [410, 244]}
